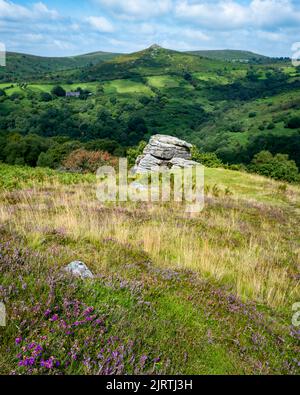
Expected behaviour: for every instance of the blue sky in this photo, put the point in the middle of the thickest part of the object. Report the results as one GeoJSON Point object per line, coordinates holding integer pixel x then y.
{"type": "Point", "coordinates": [70, 27]}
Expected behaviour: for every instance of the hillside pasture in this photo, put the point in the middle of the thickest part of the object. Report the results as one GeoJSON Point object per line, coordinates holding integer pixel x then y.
{"type": "Point", "coordinates": [207, 294]}
{"type": "Point", "coordinates": [126, 87]}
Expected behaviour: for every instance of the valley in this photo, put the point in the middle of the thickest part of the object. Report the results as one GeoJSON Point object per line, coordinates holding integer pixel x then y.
{"type": "Point", "coordinates": [227, 107]}
{"type": "Point", "coordinates": [170, 292]}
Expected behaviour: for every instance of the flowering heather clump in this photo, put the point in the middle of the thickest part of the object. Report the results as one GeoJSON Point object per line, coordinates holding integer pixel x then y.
{"type": "Point", "coordinates": [74, 336]}
{"type": "Point", "coordinates": [57, 332]}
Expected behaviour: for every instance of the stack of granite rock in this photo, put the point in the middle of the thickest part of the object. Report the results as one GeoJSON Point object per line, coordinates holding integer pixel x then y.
{"type": "Point", "coordinates": [166, 151]}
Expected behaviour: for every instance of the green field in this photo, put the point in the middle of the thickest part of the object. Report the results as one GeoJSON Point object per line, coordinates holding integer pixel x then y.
{"type": "Point", "coordinates": [92, 87]}
{"type": "Point", "coordinates": [126, 87]}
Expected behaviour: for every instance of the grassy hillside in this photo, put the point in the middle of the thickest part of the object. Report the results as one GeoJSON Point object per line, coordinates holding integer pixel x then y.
{"type": "Point", "coordinates": [151, 61]}
{"type": "Point", "coordinates": [211, 294]}
{"type": "Point", "coordinates": [26, 67]}
{"type": "Point", "coordinates": [255, 124]}
{"type": "Point", "coordinates": [232, 55]}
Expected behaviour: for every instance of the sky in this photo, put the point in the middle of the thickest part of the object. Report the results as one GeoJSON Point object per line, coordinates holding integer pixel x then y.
{"type": "Point", "coordinates": [73, 27]}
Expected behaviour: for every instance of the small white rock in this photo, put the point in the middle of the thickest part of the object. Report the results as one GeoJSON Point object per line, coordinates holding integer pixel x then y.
{"type": "Point", "coordinates": [79, 269]}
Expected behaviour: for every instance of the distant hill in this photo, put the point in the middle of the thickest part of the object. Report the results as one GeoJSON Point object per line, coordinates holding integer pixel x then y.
{"type": "Point", "coordinates": [152, 61]}
{"type": "Point", "coordinates": [105, 65]}
{"type": "Point", "coordinates": [29, 66]}
{"type": "Point", "coordinates": [231, 55]}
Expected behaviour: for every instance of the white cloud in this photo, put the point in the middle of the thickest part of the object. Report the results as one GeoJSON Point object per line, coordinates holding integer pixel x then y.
{"type": "Point", "coordinates": [63, 45]}
{"type": "Point", "coordinates": [271, 36]}
{"type": "Point", "coordinates": [100, 24]}
{"type": "Point", "coordinates": [32, 37]}
{"type": "Point", "coordinates": [13, 11]}
{"type": "Point", "coordinates": [195, 35]}
{"type": "Point", "coordinates": [41, 10]}
{"type": "Point", "coordinates": [229, 14]}
{"type": "Point", "coordinates": [138, 9]}
{"type": "Point", "coordinates": [266, 26]}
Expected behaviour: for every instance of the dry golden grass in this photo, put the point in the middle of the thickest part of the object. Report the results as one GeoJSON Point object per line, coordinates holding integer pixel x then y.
{"type": "Point", "coordinates": [248, 245]}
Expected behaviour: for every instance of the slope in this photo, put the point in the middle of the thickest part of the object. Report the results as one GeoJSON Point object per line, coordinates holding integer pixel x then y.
{"type": "Point", "coordinates": [172, 294]}
{"type": "Point", "coordinates": [232, 55]}
{"type": "Point", "coordinates": [25, 67]}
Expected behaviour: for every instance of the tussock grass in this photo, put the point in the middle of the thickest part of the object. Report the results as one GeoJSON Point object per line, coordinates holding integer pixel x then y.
{"type": "Point", "coordinates": [248, 245]}
{"type": "Point", "coordinates": [207, 294]}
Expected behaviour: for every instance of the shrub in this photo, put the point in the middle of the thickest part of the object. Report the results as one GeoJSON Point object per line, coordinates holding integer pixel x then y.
{"type": "Point", "coordinates": [236, 128]}
{"type": "Point", "coordinates": [271, 126]}
{"type": "Point", "coordinates": [293, 123]}
{"type": "Point", "coordinates": [107, 145]}
{"type": "Point", "coordinates": [85, 161]}
{"type": "Point", "coordinates": [45, 96]}
{"type": "Point", "coordinates": [237, 167]}
{"type": "Point", "coordinates": [208, 159]}
{"type": "Point", "coordinates": [58, 91]}
{"type": "Point", "coordinates": [134, 152]}
{"type": "Point", "coordinates": [252, 114]}
{"type": "Point", "coordinates": [16, 96]}
{"type": "Point", "coordinates": [278, 167]}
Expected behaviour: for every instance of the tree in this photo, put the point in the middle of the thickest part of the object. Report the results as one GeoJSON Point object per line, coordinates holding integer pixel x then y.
{"type": "Point", "coordinates": [2, 92]}
{"type": "Point", "coordinates": [293, 123]}
{"type": "Point", "coordinates": [25, 150]}
{"type": "Point", "coordinates": [252, 75]}
{"type": "Point", "coordinates": [58, 91]}
{"type": "Point", "coordinates": [137, 129]}
{"type": "Point", "coordinates": [56, 154]}
{"type": "Point", "coordinates": [45, 96]}
{"type": "Point", "coordinates": [285, 144]}
{"type": "Point", "coordinates": [278, 166]}
{"type": "Point", "coordinates": [110, 146]}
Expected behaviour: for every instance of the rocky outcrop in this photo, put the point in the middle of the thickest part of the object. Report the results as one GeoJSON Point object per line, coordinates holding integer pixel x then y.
{"type": "Point", "coordinates": [165, 151]}
{"type": "Point", "coordinates": [180, 163]}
